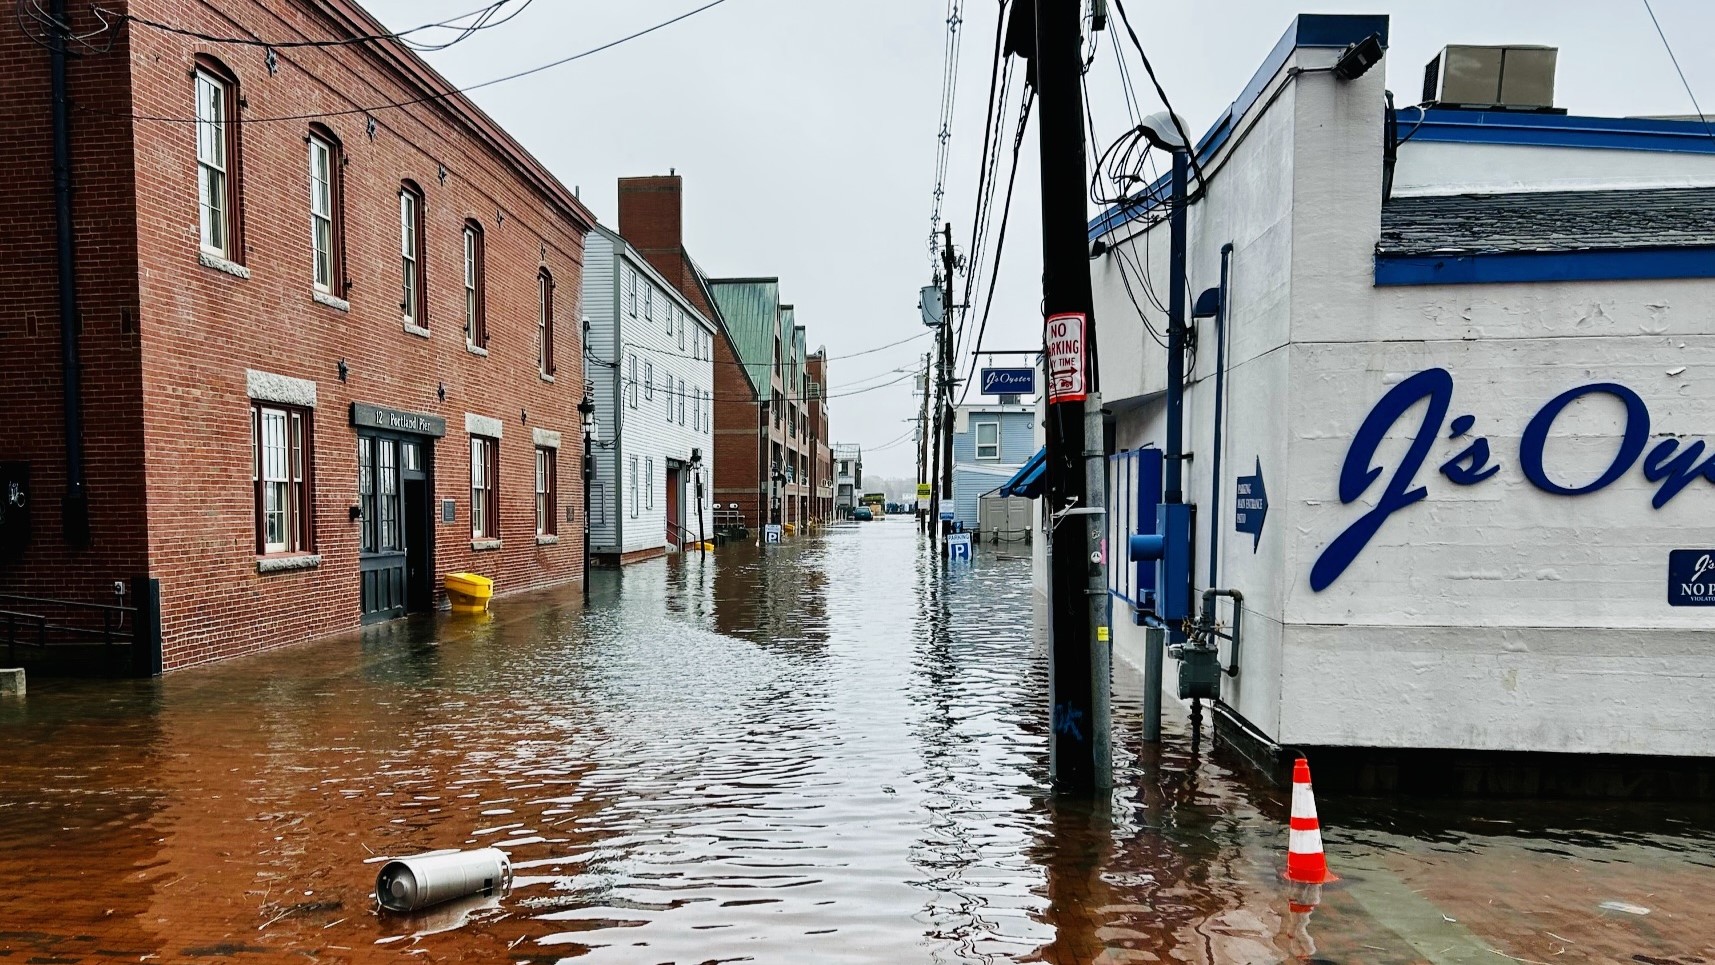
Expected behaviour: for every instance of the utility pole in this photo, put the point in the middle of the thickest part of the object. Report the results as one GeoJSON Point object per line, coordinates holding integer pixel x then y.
{"type": "Point", "coordinates": [946, 441]}
{"type": "Point", "coordinates": [1080, 755]}
{"type": "Point", "coordinates": [923, 444]}
{"type": "Point", "coordinates": [933, 522]}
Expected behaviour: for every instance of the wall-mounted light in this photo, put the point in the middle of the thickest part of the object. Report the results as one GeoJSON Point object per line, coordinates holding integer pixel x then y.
{"type": "Point", "coordinates": [344, 370]}
{"type": "Point", "coordinates": [441, 391]}
{"type": "Point", "coordinates": [356, 513]}
{"type": "Point", "coordinates": [1359, 58]}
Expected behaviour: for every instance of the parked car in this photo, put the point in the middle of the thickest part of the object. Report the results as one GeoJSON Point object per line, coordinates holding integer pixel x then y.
{"type": "Point", "coordinates": [861, 514]}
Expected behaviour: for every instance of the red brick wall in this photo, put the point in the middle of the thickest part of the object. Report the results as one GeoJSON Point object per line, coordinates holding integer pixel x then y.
{"type": "Point", "coordinates": [202, 328]}
{"type": "Point", "coordinates": [104, 248]}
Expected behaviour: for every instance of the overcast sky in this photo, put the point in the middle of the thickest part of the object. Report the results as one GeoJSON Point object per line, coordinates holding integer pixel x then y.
{"type": "Point", "coordinates": [805, 131]}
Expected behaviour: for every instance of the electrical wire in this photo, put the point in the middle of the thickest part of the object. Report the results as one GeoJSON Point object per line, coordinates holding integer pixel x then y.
{"type": "Point", "coordinates": [391, 105]}
{"type": "Point", "coordinates": [1190, 145]}
{"type": "Point", "coordinates": [1000, 242]}
{"type": "Point", "coordinates": [832, 358]}
{"type": "Point", "coordinates": [1670, 56]}
{"type": "Point", "coordinates": [484, 20]}
{"type": "Point", "coordinates": [944, 138]}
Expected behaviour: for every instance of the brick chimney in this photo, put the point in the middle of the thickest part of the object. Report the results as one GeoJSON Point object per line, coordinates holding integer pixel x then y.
{"type": "Point", "coordinates": [651, 218]}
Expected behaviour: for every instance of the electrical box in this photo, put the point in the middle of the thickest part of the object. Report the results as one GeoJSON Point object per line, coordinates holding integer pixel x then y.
{"type": "Point", "coordinates": [1199, 673]}
{"type": "Point", "coordinates": [1148, 502]}
{"type": "Point", "coordinates": [14, 509]}
{"type": "Point", "coordinates": [1170, 549]}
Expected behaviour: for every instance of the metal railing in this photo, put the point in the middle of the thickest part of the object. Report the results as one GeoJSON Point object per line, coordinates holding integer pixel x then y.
{"type": "Point", "coordinates": [45, 623]}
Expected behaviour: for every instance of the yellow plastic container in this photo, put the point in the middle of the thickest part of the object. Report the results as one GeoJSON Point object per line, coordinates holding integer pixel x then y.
{"type": "Point", "coordinates": [790, 529]}
{"type": "Point", "coordinates": [468, 592]}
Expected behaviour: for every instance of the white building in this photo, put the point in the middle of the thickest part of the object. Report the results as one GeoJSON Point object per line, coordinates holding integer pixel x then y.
{"type": "Point", "coordinates": [848, 477]}
{"type": "Point", "coordinates": [1466, 419]}
{"type": "Point", "coordinates": [648, 355]}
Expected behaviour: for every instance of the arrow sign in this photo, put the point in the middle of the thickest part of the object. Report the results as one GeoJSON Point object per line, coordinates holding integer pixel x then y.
{"type": "Point", "coordinates": [1252, 506]}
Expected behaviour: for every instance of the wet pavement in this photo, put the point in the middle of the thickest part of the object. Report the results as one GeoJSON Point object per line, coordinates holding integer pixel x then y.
{"type": "Point", "coordinates": [825, 752]}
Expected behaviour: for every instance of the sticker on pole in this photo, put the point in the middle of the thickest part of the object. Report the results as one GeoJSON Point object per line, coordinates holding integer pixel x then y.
{"type": "Point", "coordinates": [1066, 358]}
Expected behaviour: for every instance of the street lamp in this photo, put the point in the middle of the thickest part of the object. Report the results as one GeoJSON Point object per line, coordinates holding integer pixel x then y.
{"type": "Point", "coordinates": [779, 479]}
{"type": "Point", "coordinates": [586, 409]}
{"type": "Point", "coordinates": [697, 474]}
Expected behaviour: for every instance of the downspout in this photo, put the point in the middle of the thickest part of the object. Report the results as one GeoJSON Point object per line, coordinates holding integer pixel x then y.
{"type": "Point", "coordinates": [1220, 398]}
{"type": "Point", "coordinates": [74, 506]}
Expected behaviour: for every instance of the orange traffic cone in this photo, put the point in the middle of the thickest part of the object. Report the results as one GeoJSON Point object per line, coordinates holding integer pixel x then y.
{"type": "Point", "coordinates": [1305, 862]}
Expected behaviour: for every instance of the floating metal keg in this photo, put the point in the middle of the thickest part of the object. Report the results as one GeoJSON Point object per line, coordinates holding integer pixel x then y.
{"type": "Point", "coordinates": [407, 884]}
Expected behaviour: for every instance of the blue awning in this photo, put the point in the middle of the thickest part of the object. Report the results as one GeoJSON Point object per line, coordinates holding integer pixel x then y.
{"type": "Point", "coordinates": [1027, 481]}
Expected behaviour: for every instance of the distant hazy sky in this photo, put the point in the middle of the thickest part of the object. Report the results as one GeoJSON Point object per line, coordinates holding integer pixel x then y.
{"type": "Point", "coordinates": [805, 130]}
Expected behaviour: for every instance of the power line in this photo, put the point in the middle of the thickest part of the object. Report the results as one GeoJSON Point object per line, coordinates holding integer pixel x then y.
{"type": "Point", "coordinates": [1190, 145]}
{"type": "Point", "coordinates": [832, 358]}
{"type": "Point", "coordinates": [1000, 241]}
{"type": "Point", "coordinates": [484, 20]}
{"type": "Point", "coordinates": [944, 138]}
{"type": "Point", "coordinates": [436, 96]}
{"type": "Point", "coordinates": [1670, 56]}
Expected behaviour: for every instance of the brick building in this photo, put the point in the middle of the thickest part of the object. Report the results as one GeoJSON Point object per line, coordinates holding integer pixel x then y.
{"type": "Point", "coordinates": [319, 267]}
{"type": "Point", "coordinates": [820, 450]}
{"type": "Point", "coordinates": [763, 385]}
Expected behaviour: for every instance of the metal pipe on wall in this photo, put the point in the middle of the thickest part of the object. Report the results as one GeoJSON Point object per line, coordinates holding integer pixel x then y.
{"type": "Point", "coordinates": [74, 505]}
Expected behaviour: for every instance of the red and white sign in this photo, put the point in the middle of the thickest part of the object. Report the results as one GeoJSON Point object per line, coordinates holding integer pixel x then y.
{"type": "Point", "coordinates": [1066, 357]}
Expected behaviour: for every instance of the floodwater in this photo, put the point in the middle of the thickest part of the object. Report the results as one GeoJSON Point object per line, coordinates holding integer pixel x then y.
{"type": "Point", "coordinates": [830, 751]}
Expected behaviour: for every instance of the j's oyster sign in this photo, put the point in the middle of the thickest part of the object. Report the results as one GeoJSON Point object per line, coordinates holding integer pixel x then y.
{"type": "Point", "coordinates": [1671, 464]}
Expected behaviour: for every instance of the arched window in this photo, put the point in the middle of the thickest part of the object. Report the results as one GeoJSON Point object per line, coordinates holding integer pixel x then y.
{"type": "Point", "coordinates": [327, 211]}
{"type": "Point", "coordinates": [545, 322]}
{"type": "Point", "coordinates": [218, 156]}
{"type": "Point", "coordinates": [413, 276]}
{"type": "Point", "coordinates": [475, 285]}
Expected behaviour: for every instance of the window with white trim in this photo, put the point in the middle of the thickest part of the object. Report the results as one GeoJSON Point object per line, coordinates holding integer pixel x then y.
{"type": "Point", "coordinates": [484, 487]}
{"type": "Point", "coordinates": [631, 465]}
{"type": "Point", "coordinates": [475, 313]}
{"type": "Point", "coordinates": [681, 315]}
{"type": "Point", "coordinates": [411, 276]}
{"type": "Point", "coordinates": [325, 230]}
{"type": "Point", "coordinates": [649, 381]}
{"type": "Point", "coordinates": [280, 472]}
{"type": "Point", "coordinates": [681, 401]}
{"type": "Point", "coordinates": [649, 482]}
{"type": "Point", "coordinates": [216, 100]}
{"type": "Point", "coordinates": [631, 383]}
{"type": "Point", "coordinates": [987, 439]}
{"type": "Point", "coordinates": [544, 491]}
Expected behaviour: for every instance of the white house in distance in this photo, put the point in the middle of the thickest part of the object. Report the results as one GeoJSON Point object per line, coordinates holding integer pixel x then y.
{"type": "Point", "coordinates": [648, 354]}
{"type": "Point", "coordinates": [1469, 389]}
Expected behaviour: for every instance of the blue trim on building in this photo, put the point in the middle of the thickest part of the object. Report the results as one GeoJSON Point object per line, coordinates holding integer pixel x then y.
{"type": "Point", "coordinates": [1613, 264]}
{"type": "Point", "coordinates": [1306, 30]}
{"type": "Point", "coordinates": [1554, 130]}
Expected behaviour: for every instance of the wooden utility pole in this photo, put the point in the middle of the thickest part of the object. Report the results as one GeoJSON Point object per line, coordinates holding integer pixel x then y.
{"type": "Point", "coordinates": [1080, 755]}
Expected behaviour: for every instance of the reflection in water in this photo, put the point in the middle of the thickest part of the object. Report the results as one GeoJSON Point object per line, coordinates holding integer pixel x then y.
{"type": "Point", "coordinates": [830, 751]}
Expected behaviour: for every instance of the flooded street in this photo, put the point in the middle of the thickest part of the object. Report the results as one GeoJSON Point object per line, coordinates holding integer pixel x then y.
{"type": "Point", "coordinates": [828, 752]}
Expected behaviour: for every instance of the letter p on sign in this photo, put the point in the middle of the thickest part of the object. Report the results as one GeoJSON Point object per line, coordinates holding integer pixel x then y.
{"type": "Point", "coordinates": [1065, 343]}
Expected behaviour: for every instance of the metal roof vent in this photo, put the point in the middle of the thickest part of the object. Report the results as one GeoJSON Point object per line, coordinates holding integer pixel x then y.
{"type": "Point", "coordinates": [1505, 78]}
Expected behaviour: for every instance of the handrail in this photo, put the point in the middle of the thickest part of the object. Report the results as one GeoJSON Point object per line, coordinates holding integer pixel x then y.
{"type": "Point", "coordinates": [71, 603]}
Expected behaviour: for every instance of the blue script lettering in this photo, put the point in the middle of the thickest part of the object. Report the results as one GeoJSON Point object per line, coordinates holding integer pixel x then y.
{"type": "Point", "coordinates": [1668, 464]}
{"type": "Point", "coordinates": [1436, 385]}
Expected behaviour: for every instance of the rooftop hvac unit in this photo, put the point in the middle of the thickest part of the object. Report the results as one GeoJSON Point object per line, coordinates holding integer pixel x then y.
{"type": "Point", "coordinates": [1507, 78]}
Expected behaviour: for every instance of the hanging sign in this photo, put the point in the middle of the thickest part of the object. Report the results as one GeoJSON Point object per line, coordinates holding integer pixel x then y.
{"type": "Point", "coordinates": [1252, 506]}
{"type": "Point", "coordinates": [923, 490]}
{"type": "Point", "coordinates": [1009, 381]}
{"type": "Point", "coordinates": [1066, 358]}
